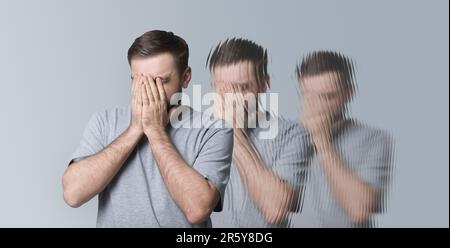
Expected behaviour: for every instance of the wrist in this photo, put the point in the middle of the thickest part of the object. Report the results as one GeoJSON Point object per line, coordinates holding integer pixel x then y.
{"type": "Point", "coordinates": [134, 131]}
{"type": "Point", "coordinates": [152, 131]}
{"type": "Point", "coordinates": [137, 128]}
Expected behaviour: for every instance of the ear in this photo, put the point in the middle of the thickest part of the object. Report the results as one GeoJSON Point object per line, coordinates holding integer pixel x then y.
{"type": "Point", "coordinates": [186, 77]}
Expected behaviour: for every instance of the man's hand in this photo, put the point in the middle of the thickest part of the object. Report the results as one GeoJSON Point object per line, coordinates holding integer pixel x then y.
{"type": "Point", "coordinates": [317, 118]}
{"type": "Point", "coordinates": [195, 196]}
{"type": "Point", "coordinates": [231, 106]}
{"type": "Point", "coordinates": [353, 194]}
{"type": "Point", "coordinates": [136, 104]}
{"type": "Point", "coordinates": [154, 105]}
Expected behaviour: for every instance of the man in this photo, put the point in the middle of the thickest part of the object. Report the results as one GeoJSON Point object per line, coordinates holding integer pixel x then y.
{"type": "Point", "coordinates": [147, 173]}
{"type": "Point", "coordinates": [351, 167]}
{"type": "Point", "coordinates": [267, 174]}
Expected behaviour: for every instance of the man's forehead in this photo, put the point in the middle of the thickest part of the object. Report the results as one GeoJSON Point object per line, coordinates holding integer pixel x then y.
{"type": "Point", "coordinates": [161, 65]}
{"type": "Point", "coordinates": [323, 82]}
{"type": "Point", "coordinates": [241, 72]}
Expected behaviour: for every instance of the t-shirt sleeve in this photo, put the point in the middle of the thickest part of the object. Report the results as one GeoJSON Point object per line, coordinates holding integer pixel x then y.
{"type": "Point", "coordinates": [214, 159]}
{"type": "Point", "coordinates": [377, 164]}
{"type": "Point", "coordinates": [93, 139]}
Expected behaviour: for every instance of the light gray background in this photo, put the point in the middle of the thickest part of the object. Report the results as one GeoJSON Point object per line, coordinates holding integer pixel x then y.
{"type": "Point", "coordinates": [60, 61]}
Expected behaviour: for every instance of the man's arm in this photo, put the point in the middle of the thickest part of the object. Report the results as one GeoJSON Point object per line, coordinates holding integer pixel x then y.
{"type": "Point", "coordinates": [272, 195]}
{"type": "Point", "coordinates": [194, 194]}
{"type": "Point", "coordinates": [356, 196]}
{"type": "Point", "coordinates": [85, 178]}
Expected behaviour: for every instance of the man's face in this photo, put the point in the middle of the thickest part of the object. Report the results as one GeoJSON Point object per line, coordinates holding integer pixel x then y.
{"type": "Point", "coordinates": [327, 89]}
{"type": "Point", "coordinates": [163, 66]}
{"type": "Point", "coordinates": [238, 76]}
{"type": "Point", "coordinates": [237, 86]}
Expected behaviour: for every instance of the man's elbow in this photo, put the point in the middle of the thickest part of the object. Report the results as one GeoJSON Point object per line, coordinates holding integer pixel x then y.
{"type": "Point", "coordinates": [202, 210]}
{"type": "Point", "coordinates": [364, 209]}
{"type": "Point", "coordinates": [198, 216]}
{"type": "Point", "coordinates": [277, 212]}
{"type": "Point", "coordinates": [70, 196]}
{"type": "Point", "coordinates": [72, 200]}
{"type": "Point", "coordinates": [361, 214]}
{"type": "Point", "coordinates": [359, 217]}
{"type": "Point", "coordinates": [275, 216]}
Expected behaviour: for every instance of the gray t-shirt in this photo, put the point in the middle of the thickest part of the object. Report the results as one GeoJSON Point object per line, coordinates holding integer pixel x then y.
{"type": "Point", "coordinates": [137, 196]}
{"type": "Point", "coordinates": [285, 155]}
{"type": "Point", "coordinates": [368, 154]}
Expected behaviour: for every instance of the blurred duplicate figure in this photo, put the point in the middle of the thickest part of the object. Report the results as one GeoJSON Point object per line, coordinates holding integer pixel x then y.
{"type": "Point", "coordinates": [351, 167]}
{"type": "Point", "coordinates": [267, 174]}
{"type": "Point", "coordinates": [146, 172]}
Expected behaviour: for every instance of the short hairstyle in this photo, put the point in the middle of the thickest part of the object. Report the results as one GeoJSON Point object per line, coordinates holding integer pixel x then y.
{"type": "Point", "coordinates": [235, 50]}
{"type": "Point", "coordinates": [156, 42]}
{"type": "Point", "coordinates": [319, 62]}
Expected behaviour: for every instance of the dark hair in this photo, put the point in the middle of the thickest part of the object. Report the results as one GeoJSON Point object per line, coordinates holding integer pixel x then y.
{"type": "Point", "coordinates": [235, 50]}
{"type": "Point", "coordinates": [319, 62]}
{"type": "Point", "coordinates": [156, 42]}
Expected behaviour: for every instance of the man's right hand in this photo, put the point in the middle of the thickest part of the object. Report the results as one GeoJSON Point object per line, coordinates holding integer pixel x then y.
{"type": "Point", "coordinates": [230, 105]}
{"type": "Point", "coordinates": [89, 176]}
{"type": "Point", "coordinates": [136, 104]}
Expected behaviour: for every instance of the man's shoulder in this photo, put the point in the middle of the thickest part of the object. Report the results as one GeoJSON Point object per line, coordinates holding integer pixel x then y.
{"type": "Point", "coordinates": [291, 128]}
{"type": "Point", "coordinates": [368, 134]}
{"type": "Point", "coordinates": [286, 129]}
{"type": "Point", "coordinates": [291, 138]}
{"type": "Point", "coordinates": [192, 118]}
{"type": "Point", "coordinates": [113, 113]}
{"type": "Point", "coordinates": [111, 121]}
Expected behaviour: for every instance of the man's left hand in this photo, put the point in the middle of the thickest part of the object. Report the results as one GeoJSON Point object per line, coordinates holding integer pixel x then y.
{"type": "Point", "coordinates": [154, 105]}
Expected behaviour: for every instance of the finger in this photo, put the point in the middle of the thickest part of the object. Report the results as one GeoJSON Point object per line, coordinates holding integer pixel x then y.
{"type": "Point", "coordinates": [220, 88]}
{"type": "Point", "coordinates": [159, 86]}
{"type": "Point", "coordinates": [229, 88]}
{"type": "Point", "coordinates": [218, 105]}
{"type": "Point", "coordinates": [153, 89]}
{"type": "Point", "coordinates": [240, 93]}
{"type": "Point", "coordinates": [138, 87]}
{"type": "Point", "coordinates": [238, 96]}
{"type": "Point", "coordinates": [144, 95]}
{"type": "Point", "coordinates": [134, 91]}
{"type": "Point", "coordinates": [237, 88]}
{"type": "Point", "coordinates": [148, 92]}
